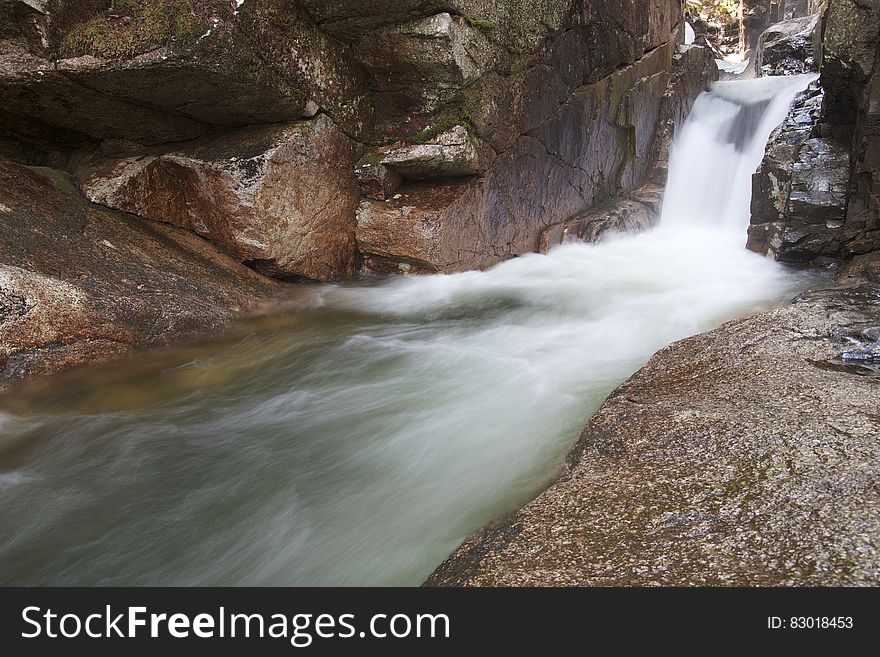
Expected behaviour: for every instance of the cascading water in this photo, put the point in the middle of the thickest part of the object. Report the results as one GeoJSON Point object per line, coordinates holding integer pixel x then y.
{"type": "Point", "coordinates": [359, 441]}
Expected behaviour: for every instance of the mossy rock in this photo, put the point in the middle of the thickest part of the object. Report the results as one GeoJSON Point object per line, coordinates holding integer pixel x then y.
{"type": "Point", "coordinates": [450, 118]}
{"type": "Point", "coordinates": [131, 27]}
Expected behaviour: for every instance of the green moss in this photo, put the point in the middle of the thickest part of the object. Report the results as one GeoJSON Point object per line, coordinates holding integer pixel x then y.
{"type": "Point", "coordinates": [130, 27]}
{"type": "Point", "coordinates": [480, 23]}
{"type": "Point", "coordinates": [449, 119]}
{"type": "Point", "coordinates": [373, 158]}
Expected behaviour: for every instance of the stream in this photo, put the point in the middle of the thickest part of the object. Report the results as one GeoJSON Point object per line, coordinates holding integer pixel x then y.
{"type": "Point", "coordinates": [358, 438]}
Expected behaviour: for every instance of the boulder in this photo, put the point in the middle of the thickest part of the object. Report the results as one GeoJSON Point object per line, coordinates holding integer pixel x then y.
{"type": "Point", "coordinates": [160, 71]}
{"type": "Point", "coordinates": [815, 195]}
{"type": "Point", "coordinates": [81, 284]}
{"type": "Point", "coordinates": [791, 47]}
{"type": "Point", "coordinates": [633, 213]}
{"type": "Point", "coordinates": [280, 198]}
{"type": "Point", "coordinates": [747, 456]}
{"type": "Point", "coordinates": [799, 191]}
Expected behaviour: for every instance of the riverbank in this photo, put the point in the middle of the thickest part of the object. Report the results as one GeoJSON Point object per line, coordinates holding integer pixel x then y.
{"type": "Point", "coordinates": [748, 455]}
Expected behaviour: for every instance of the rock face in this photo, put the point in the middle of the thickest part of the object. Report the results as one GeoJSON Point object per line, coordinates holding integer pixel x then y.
{"type": "Point", "coordinates": [745, 456]}
{"type": "Point", "coordinates": [451, 154]}
{"type": "Point", "coordinates": [800, 190]}
{"type": "Point", "coordinates": [815, 196]}
{"type": "Point", "coordinates": [552, 159]}
{"type": "Point", "coordinates": [97, 76]}
{"type": "Point", "coordinates": [486, 122]}
{"type": "Point", "coordinates": [280, 198]}
{"type": "Point", "coordinates": [323, 140]}
{"type": "Point", "coordinates": [80, 284]}
{"type": "Point", "coordinates": [636, 212]}
{"type": "Point", "coordinates": [790, 47]}
{"type": "Point", "coordinates": [692, 72]}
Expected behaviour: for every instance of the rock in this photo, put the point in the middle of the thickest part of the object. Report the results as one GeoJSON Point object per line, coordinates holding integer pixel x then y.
{"type": "Point", "coordinates": [164, 76]}
{"type": "Point", "coordinates": [634, 213]}
{"type": "Point", "coordinates": [799, 191]}
{"type": "Point", "coordinates": [424, 229]}
{"type": "Point", "coordinates": [418, 67]}
{"type": "Point", "coordinates": [788, 9]}
{"type": "Point", "coordinates": [756, 17]}
{"type": "Point", "coordinates": [515, 25]}
{"type": "Point", "coordinates": [747, 456]}
{"type": "Point", "coordinates": [815, 196]}
{"type": "Point", "coordinates": [852, 33]}
{"type": "Point", "coordinates": [451, 154]}
{"type": "Point", "coordinates": [556, 159]}
{"type": "Point", "coordinates": [81, 284]}
{"type": "Point", "coordinates": [864, 267]}
{"type": "Point", "coordinates": [377, 181]}
{"type": "Point", "coordinates": [693, 72]}
{"type": "Point", "coordinates": [790, 47]}
{"type": "Point", "coordinates": [279, 198]}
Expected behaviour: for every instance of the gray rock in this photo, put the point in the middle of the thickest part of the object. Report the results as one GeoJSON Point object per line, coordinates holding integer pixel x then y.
{"type": "Point", "coordinates": [799, 192]}
{"type": "Point", "coordinates": [790, 47]}
{"type": "Point", "coordinates": [453, 153]}
{"type": "Point", "coordinates": [745, 456]}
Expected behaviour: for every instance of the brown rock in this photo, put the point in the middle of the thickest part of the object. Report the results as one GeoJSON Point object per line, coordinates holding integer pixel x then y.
{"type": "Point", "coordinates": [79, 283]}
{"type": "Point", "coordinates": [418, 67]}
{"type": "Point", "coordinates": [559, 156]}
{"type": "Point", "coordinates": [280, 198]}
{"type": "Point", "coordinates": [377, 181]}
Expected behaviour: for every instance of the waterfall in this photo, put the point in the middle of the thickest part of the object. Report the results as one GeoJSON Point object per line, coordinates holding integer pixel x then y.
{"type": "Point", "coordinates": [361, 438]}
{"type": "Point", "coordinates": [720, 146]}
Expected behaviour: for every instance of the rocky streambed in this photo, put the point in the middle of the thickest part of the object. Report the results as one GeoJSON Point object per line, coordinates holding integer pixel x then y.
{"type": "Point", "coordinates": [748, 455]}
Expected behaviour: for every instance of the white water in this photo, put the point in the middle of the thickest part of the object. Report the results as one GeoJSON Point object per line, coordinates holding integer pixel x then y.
{"type": "Point", "coordinates": [362, 441]}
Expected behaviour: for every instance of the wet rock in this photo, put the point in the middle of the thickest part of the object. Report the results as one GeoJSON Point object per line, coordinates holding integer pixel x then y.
{"type": "Point", "coordinates": [790, 47]}
{"type": "Point", "coordinates": [828, 207]}
{"type": "Point", "coordinates": [557, 156]}
{"type": "Point", "coordinates": [280, 198]}
{"type": "Point", "coordinates": [799, 192]}
{"type": "Point", "coordinates": [743, 456]}
{"type": "Point", "coordinates": [693, 72]}
{"type": "Point", "coordinates": [596, 145]}
{"type": "Point", "coordinates": [634, 213]}
{"type": "Point", "coordinates": [80, 284]}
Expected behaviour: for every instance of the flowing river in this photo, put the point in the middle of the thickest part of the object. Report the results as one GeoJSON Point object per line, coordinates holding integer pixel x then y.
{"type": "Point", "coordinates": [360, 437]}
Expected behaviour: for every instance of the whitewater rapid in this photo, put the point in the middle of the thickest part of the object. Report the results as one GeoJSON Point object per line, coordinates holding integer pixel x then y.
{"type": "Point", "coordinates": [359, 440]}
